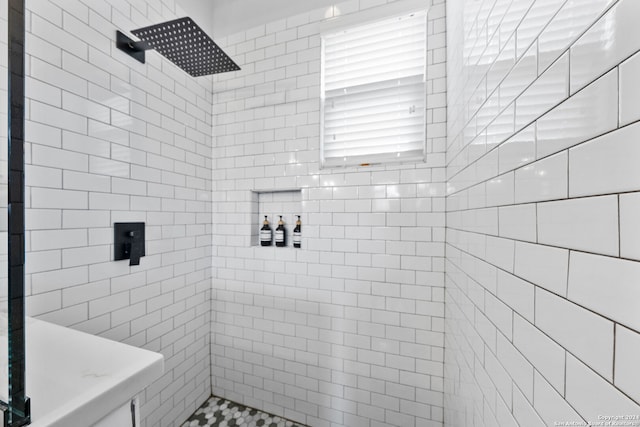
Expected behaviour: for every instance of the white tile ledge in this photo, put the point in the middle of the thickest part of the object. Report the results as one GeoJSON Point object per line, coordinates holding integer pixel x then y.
{"type": "Point", "coordinates": [74, 378]}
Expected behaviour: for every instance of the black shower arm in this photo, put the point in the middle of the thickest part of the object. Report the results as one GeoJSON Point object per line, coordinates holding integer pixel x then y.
{"type": "Point", "coordinates": [133, 48]}
{"type": "Point", "coordinates": [124, 39]}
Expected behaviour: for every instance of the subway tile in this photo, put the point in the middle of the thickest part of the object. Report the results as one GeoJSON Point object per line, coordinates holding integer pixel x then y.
{"type": "Point", "coordinates": [85, 144]}
{"type": "Point", "coordinates": [524, 412]}
{"type": "Point", "coordinates": [549, 89]}
{"type": "Point", "coordinates": [43, 134]}
{"type": "Point", "coordinates": [48, 115]}
{"type": "Point", "coordinates": [43, 92]}
{"type": "Point", "coordinates": [576, 329]}
{"type": "Point", "coordinates": [518, 150]}
{"type": "Point", "coordinates": [520, 370]}
{"type": "Point", "coordinates": [629, 90]}
{"type": "Point", "coordinates": [36, 176]}
{"type": "Point", "coordinates": [130, 123]}
{"type": "Point", "coordinates": [626, 373]}
{"type": "Point", "coordinates": [77, 90]}
{"type": "Point", "coordinates": [550, 404]}
{"type": "Point", "coordinates": [588, 113]}
{"type": "Point", "coordinates": [58, 279]}
{"type": "Point", "coordinates": [74, 257]}
{"type": "Point", "coordinates": [543, 266]}
{"type": "Point", "coordinates": [477, 196]}
{"type": "Point", "coordinates": [500, 377]}
{"type": "Point", "coordinates": [128, 186]}
{"type": "Point", "coordinates": [108, 98]}
{"type": "Point", "coordinates": [499, 313]}
{"type": "Point", "coordinates": [86, 107]}
{"type": "Point", "coordinates": [536, 19]}
{"type": "Point", "coordinates": [385, 205]}
{"type": "Point", "coordinates": [36, 262]}
{"type": "Point", "coordinates": [605, 44]}
{"type": "Point", "coordinates": [547, 356]}
{"type": "Point", "coordinates": [36, 219]}
{"type": "Point", "coordinates": [501, 128]}
{"type": "Point", "coordinates": [43, 303]}
{"type": "Point", "coordinates": [487, 40]}
{"type": "Point", "coordinates": [500, 190]}
{"type": "Point", "coordinates": [503, 63]}
{"type": "Point", "coordinates": [387, 177]}
{"type": "Point", "coordinates": [518, 222]}
{"type": "Point", "coordinates": [630, 226]}
{"type": "Point", "coordinates": [83, 31]}
{"type": "Point", "coordinates": [106, 201]}
{"type": "Point", "coordinates": [581, 381]}
{"type": "Point", "coordinates": [85, 218]}
{"type": "Point", "coordinates": [487, 276]}
{"type": "Point", "coordinates": [107, 304]}
{"type": "Point", "coordinates": [520, 76]}
{"type": "Point", "coordinates": [234, 286]}
{"type": "Point", "coordinates": [573, 18]}
{"type": "Point", "coordinates": [421, 204]}
{"type": "Point", "coordinates": [80, 67]}
{"type": "Point", "coordinates": [589, 224]}
{"type": "Point", "coordinates": [500, 252]}
{"type": "Point", "coordinates": [545, 179]}
{"type": "Point", "coordinates": [57, 239]}
{"type": "Point", "coordinates": [67, 316]}
{"type": "Point", "coordinates": [618, 299]}
{"type": "Point", "coordinates": [517, 294]}
{"type": "Point", "coordinates": [401, 219]}
{"type": "Point", "coordinates": [504, 416]}
{"type": "Point", "coordinates": [605, 164]}
{"type": "Point", "coordinates": [62, 159]}
{"type": "Point", "coordinates": [41, 48]}
{"type": "Point", "coordinates": [102, 166]}
{"type": "Point", "coordinates": [57, 36]}
{"type": "Point", "coordinates": [58, 199]}
{"type": "Point", "coordinates": [109, 133]}
{"type": "Point", "coordinates": [85, 181]}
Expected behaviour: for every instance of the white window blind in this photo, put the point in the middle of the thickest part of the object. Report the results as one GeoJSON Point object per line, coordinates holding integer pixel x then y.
{"type": "Point", "coordinates": [373, 92]}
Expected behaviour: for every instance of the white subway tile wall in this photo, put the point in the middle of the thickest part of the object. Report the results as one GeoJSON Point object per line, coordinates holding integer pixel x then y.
{"type": "Point", "coordinates": [111, 140]}
{"type": "Point", "coordinates": [349, 329]}
{"type": "Point", "coordinates": [531, 168]}
{"type": "Point", "coordinates": [541, 304]}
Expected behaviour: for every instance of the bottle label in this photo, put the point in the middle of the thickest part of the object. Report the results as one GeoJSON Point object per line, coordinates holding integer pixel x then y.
{"type": "Point", "coordinates": [265, 235]}
{"type": "Point", "coordinates": [297, 237]}
{"type": "Point", "coordinates": [279, 236]}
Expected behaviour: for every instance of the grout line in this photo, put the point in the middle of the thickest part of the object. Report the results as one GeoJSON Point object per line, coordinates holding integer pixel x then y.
{"type": "Point", "coordinates": [569, 94]}
{"type": "Point", "coordinates": [568, 175]}
{"type": "Point", "coordinates": [619, 228]}
{"type": "Point", "coordinates": [564, 382]}
{"type": "Point", "coordinates": [613, 361]}
{"type": "Point", "coordinates": [536, 224]}
{"type": "Point", "coordinates": [566, 291]}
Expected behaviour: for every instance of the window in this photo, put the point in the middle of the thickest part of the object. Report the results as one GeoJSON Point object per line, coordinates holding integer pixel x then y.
{"type": "Point", "coordinates": [373, 92]}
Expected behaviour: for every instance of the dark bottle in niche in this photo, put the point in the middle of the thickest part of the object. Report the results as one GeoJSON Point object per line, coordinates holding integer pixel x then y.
{"type": "Point", "coordinates": [280, 234]}
{"type": "Point", "coordinates": [297, 234]}
{"type": "Point", "coordinates": [265, 233]}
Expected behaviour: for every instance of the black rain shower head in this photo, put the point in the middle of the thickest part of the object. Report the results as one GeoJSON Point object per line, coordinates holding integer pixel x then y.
{"type": "Point", "coordinates": [182, 42]}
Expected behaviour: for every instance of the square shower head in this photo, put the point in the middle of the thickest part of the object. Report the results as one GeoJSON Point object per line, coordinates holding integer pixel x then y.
{"type": "Point", "coordinates": [184, 43]}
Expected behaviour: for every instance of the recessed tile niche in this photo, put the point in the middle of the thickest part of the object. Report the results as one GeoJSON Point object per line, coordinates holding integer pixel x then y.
{"type": "Point", "coordinates": [273, 203]}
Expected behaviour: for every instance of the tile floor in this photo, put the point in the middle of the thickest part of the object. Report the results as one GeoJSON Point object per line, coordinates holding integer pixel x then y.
{"type": "Point", "coordinates": [220, 412]}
